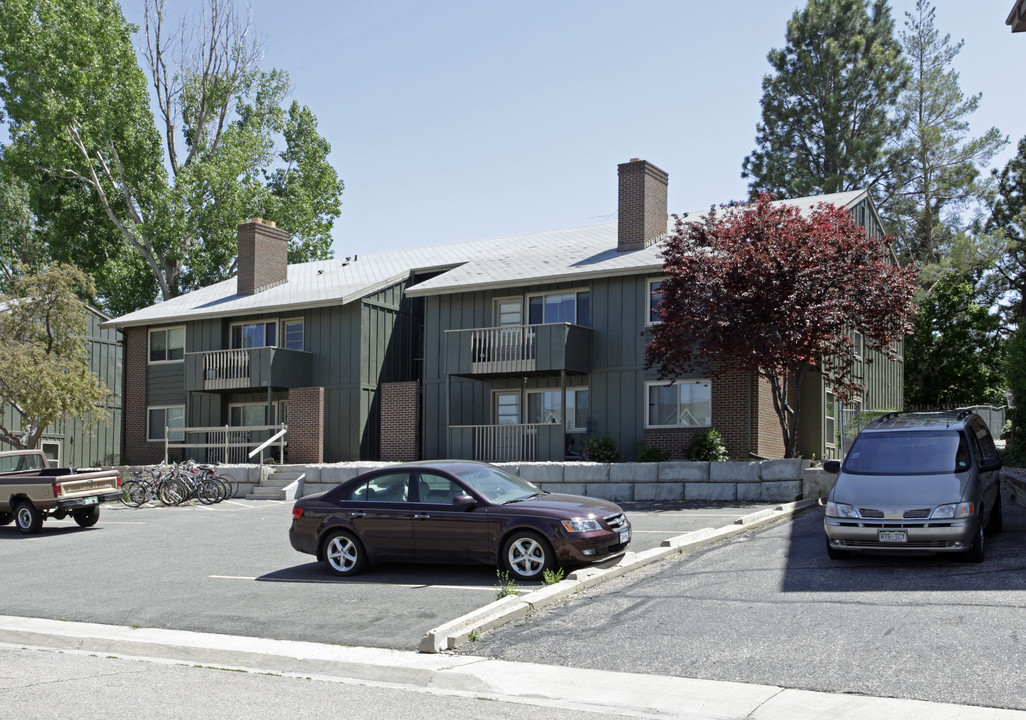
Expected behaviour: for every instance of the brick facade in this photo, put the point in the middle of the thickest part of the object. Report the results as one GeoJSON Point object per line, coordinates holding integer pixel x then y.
{"type": "Point", "coordinates": [306, 425]}
{"type": "Point", "coordinates": [400, 421]}
{"type": "Point", "coordinates": [135, 448]}
{"type": "Point", "coordinates": [757, 433]}
{"type": "Point", "coordinates": [642, 205]}
{"type": "Point", "coordinates": [263, 256]}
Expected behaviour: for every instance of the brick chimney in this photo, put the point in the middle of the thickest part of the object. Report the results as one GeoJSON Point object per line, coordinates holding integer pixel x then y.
{"type": "Point", "coordinates": [642, 214]}
{"type": "Point", "coordinates": [263, 256]}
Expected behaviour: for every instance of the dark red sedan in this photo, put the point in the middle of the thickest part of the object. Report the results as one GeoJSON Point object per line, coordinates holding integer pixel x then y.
{"type": "Point", "coordinates": [455, 511]}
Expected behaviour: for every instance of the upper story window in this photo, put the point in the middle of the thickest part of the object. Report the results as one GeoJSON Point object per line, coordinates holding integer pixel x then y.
{"type": "Point", "coordinates": [686, 403]}
{"type": "Point", "coordinates": [292, 334]}
{"type": "Point", "coordinates": [167, 345]}
{"type": "Point", "coordinates": [569, 306]}
{"type": "Point", "coordinates": [857, 338]}
{"type": "Point", "coordinates": [253, 335]}
{"type": "Point", "coordinates": [655, 296]}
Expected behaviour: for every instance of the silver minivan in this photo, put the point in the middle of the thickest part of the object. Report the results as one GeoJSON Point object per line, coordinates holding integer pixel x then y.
{"type": "Point", "coordinates": [916, 482]}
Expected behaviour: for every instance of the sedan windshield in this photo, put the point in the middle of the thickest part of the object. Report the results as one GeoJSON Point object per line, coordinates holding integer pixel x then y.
{"type": "Point", "coordinates": [908, 453]}
{"type": "Point", "coordinates": [495, 485]}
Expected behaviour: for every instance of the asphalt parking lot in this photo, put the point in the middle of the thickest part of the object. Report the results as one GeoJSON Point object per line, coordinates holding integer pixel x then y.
{"type": "Point", "coordinates": [229, 568]}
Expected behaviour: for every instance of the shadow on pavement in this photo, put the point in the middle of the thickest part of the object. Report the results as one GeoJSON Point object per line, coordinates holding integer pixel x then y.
{"type": "Point", "coordinates": [810, 570]}
{"type": "Point", "coordinates": [469, 576]}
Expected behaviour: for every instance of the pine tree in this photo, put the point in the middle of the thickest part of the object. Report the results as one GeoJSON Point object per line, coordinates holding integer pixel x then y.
{"type": "Point", "coordinates": [827, 109]}
{"type": "Point", "coordinates": [940, 162]}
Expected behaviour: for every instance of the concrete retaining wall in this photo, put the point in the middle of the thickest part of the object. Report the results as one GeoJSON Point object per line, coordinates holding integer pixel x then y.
{"type": "Point", "coordinates": [764, 481]}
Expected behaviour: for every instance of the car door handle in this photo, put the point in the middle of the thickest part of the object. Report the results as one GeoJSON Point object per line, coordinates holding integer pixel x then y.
{"type": "Point", "coordinates": [358, 514]}
{"type": "Point", "coordinates": [421, 517]}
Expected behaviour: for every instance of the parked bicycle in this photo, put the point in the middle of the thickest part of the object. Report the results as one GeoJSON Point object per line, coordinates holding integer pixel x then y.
{"type": "Point", "coordinates": [176, 483]}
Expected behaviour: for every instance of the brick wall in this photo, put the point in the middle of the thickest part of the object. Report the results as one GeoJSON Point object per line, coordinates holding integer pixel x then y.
{"type": "Point", "coordinates": [263, 257]}
{"type": "Point", "coordinates": [400, 421]}
{"type": "Point", "coordinates": [136, 450]}
{"type": "Point", "coordinates": [730, 417]}
{"type": "Point", "coordinates": [642, 215]}
{"type": "Point", "coordinates": [306, 425]}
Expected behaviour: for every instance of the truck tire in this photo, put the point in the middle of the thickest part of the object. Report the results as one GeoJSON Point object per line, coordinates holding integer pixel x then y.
{"type": "Point", "coordinates": [86, 517]}
{"type": "Point", "coordinates": [6, 518]}
{"type": "Point", "coordinates": [28, 519]}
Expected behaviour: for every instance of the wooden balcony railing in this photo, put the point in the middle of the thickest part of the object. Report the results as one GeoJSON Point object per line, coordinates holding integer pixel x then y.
{"type": "Point", "coordinates": [518, 349]}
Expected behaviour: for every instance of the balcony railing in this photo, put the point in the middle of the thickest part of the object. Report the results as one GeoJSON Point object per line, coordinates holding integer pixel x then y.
{"type": "Point", "coordinates": [247, 368]}
{"type": "Point", "coordinates": [508, 443]}
{"type": "Point", "coordinates": [518, 349]}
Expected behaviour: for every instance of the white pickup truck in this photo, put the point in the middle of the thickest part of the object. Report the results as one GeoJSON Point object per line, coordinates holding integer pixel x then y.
{"type": "Point", "coordinates": [31, 491]}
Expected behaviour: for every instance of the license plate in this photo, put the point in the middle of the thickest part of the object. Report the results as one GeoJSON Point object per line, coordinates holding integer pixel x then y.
{"type": "Point", "coordinates": [90, 501]}
{"type": "Point", "coordinates": [625, 536]}
{"type": "Point", "coordinates": [892, 536]}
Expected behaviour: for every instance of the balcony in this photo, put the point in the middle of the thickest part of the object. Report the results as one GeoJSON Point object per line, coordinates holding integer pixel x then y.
{"type": "Point", "coordinates": [250, 368]}
{"type": "Point", "coordinates": [508, 443]}
{"type": "Point", "coordinates": [518, 350]}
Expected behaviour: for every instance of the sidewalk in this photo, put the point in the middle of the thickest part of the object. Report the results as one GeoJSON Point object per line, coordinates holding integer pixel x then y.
{"type": "Point", "coordinates": [542, 685]}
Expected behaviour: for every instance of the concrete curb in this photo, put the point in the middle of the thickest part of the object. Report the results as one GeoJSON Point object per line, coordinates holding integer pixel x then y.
{"type": "Point", "coordinates": [597, 691]}
{"type": "Point", "coordinates": [460, 631]}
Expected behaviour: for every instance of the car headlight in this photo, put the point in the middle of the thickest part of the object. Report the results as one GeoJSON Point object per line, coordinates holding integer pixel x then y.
{"type": "Point", "coordinates": [581, 525]}
{"type": "Point", "coordinates": [842, 510]}
{"type": "Point", "coordinates": [953, 511]}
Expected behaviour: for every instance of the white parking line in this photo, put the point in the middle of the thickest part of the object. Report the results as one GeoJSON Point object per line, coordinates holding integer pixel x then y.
{"type": "Point", "coordinates": [418, 586]}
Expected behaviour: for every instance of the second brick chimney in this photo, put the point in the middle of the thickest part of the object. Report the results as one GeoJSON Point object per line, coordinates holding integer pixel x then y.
{"type": "Point", "coordinates": [263, 256]}
{"type": "Point", "coordinates": [642, 211]}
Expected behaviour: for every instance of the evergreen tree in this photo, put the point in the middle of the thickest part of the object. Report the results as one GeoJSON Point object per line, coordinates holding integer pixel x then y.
{"type": "Point", "coordinates": [940, 163]}
{"type": "Point", "coordinates": [827, 108]}
{"type": "Point", "coordinates": [1008, 220]}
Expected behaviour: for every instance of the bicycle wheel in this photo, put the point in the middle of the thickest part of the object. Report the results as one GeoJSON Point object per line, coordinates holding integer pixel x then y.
{"type": "Point", "coordinates": [134, 493]}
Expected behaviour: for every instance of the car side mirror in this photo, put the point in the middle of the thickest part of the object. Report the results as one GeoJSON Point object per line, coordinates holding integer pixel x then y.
{"type": "Point", "coordinates": [990, 464]}
{"type": "Point", "coordinates": [832, 466]}
{"type": "Point", "coordinates": [464, 502]}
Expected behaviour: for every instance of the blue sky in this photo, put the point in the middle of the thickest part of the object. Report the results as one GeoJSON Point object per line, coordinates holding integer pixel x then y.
{"type": "Point", "coordinates": [459, 120]}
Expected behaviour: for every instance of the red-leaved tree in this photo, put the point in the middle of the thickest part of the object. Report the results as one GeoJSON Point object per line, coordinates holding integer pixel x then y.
{"type": "Point", "coordinates": [764, 288]}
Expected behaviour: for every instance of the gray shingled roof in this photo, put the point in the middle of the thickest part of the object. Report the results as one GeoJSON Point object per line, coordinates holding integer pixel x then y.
{"type": "Point", "coordinates": [548, 256]}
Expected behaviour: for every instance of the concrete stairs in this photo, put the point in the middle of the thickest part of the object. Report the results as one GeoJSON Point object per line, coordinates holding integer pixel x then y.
{"type": "Point", "coordinates": [275, 485]}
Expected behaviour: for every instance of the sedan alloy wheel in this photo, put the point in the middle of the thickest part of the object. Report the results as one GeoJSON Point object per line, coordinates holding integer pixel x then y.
{"type": "Point", "coordinates": [527, 556]}
{"type": "Point", "coordinates": [344, 555]}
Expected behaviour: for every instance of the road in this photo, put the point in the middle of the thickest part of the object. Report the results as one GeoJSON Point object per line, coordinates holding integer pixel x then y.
{"type": "Point", "coordinates": [771, 608]}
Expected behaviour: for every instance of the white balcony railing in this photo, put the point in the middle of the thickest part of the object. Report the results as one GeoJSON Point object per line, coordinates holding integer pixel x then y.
{"type": "Point", "coordinates": [503, 349]}
{"type": "Point", "coordinates": [495, 443]}
{"type": "Point", "coordinates": [226, 369]}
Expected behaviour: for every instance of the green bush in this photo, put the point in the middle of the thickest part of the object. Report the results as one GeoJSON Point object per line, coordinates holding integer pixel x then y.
{"type": "Point", "coordinates": [650, 453]}
{"type": "Point", "coordinates": [602, 449]}
{"type": "Point", "coordinates": [707, 447]}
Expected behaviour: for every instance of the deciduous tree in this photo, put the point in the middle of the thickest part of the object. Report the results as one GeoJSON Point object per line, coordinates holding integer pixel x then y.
{"type": "Point", "coordinates": [46, 373]}
{"type": "Point", "coordinates": [767, 289]}
{"type": "Point", "coordinates": [151, 203]}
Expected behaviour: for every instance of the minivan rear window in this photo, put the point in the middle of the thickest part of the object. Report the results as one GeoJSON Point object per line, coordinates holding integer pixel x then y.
{"type": "Point", "coordinates": [908, 453]}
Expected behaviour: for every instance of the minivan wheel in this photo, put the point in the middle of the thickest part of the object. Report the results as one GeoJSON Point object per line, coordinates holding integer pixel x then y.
{"type": "Point", "coordinates": [835, 554]}
{"type": "Point", "coordinates": [975, 553]}
{"type": "Point", "coordinates": [996, 522]}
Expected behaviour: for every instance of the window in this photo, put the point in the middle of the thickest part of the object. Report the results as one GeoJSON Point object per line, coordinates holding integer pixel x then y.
{"type": "Point", "coordinates": [830, 414]}
{"type": "Point", "coordinates": [390, 487]}
{"type": "Point", "coordinates": [857, 338]}
{"type": "Point", "coordinates": [158, 418]}
{"type": "Point", "coordinates": [254, 335]}
{"type": "Point", "coordinates": [52, 450]}
{"type": "Point", "coordinates": [545, 406]}
{"type": "Point", "coordinates": [655, 295]}
{"type": "Point", "coordinates": [292, 334]}
{"type": "Point", "coordinates": [437, 489]}
{"type": "Point", "coordinates": [571, 306]}
{"type": "Point", "coordinates": [249, 415]}
{"type": "Point", "coordinates": [686, 403]}
{"type": "Point", "coordinates": [167, 345]}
